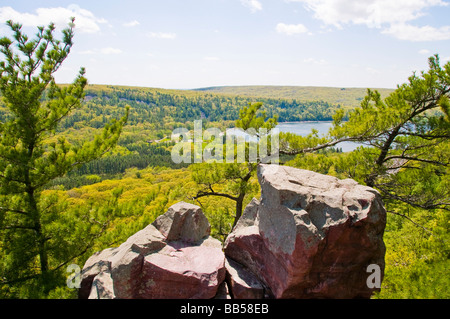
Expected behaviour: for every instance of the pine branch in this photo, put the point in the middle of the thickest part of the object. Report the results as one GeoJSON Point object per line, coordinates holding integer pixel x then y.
{"type": "Point", "coordinates": [429, 204]}
{"type": "Point", "coordinates": [417, 159]}
{"type": "Point", "coordinates": [201, 194]}
{"type": "Point", "coordinates": [17, 211]}
{"type": "Point", "coordinates": [416, 224]}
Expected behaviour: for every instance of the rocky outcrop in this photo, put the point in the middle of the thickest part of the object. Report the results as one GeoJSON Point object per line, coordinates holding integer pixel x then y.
{"type": "Point", "coordinates": [309, 236]}
{"type": "Point", "coordinates": [172, 258]}
{"type": "Point", "coordinates": [243, 283]}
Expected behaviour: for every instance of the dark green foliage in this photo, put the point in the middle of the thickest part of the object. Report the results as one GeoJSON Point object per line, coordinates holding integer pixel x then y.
{"type": "Point", "coordinates": [37, 238]}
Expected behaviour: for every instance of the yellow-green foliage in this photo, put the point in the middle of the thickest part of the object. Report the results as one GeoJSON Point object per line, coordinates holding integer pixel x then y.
{"type": "Point", "coordinates": [417, 261]}
{"type": "Point", "coordinates": [136, 199]}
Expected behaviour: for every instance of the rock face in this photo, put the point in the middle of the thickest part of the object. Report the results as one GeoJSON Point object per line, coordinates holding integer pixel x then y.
{"type": "Point", "coordinates": [310, 235]}
{"type": "Point", "coordinates": [243, 283]}
{"type": "Point", "coordinates": [184, 222]}
{"type": "Point", "coordinates": [172, 258]}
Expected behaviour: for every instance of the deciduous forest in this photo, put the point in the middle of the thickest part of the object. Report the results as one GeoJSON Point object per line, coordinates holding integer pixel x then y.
{"type": "Point", "coordinates": [83, 167]}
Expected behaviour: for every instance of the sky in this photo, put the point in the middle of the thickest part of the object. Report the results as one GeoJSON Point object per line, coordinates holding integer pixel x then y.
{"type": "Point", "coordinates": [186, 44]}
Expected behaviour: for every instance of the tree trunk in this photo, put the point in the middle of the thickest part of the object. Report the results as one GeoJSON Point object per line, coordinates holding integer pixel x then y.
{"type": "Point", "coordinates": [240, 198]}
{"type": "Point", "coordinates": [370, 180]}
{"type": "Point", "coordinates": [35, 214]}
{"type": "Point", "coordinates": [40, 236]}
{"type": "Point", "coordinates": [239, 207]}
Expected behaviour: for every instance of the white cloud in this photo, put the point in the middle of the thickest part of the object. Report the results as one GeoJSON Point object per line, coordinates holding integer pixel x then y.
{"type": "Point", "coordinates": [211, 58]}
{"type": "Point", "coordinates": [372, 13]}
{"type": "Point", "coordinates": [291, 29]}
{"type": "Point", "coordinates": [161, 35]}
{"type": "Point", "coordinates": [108, 50]}
{"type": "Point", "coordinates": [87, 52]}
{"type": "Point", "coordinates": [393, 17]}
{"type": "Point", "coordinates": [413, 33]}
{"type": "Point", "coordinates": [315, 61]}
{"type": "Point", "coordinates": [253, 5]}
{"type": "Point", "coordinates": [372, 70]}
{"type": "Point", "coordinates": [85, 20]}
{"type": "Point", "coordinates": [424, 51]}
{"type": "Point", "coordinates": [131, 24]}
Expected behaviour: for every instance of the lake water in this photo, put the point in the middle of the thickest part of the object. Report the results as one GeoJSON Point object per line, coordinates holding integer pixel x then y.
{"type": "Point", "coordinates": [302, 129]}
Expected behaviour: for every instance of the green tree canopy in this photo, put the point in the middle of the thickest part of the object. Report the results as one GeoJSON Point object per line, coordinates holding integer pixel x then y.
{"type": "Point", "coordinates": [32, 155]}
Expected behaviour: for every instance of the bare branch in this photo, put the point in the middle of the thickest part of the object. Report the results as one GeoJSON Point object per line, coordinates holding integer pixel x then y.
{"type": "Point", "coordinates": [203, 194]}
{"type": "Point", "coordinates": [318, 147]}
{"type": "Point", "coordinates": [426, 136]}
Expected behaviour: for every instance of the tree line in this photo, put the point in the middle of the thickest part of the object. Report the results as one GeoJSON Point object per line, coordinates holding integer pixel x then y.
{"type": "Point", "coordinates": [155, 106]}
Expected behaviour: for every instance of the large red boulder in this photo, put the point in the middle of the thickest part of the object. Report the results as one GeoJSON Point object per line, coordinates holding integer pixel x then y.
{"type": "Point", "coordinates": [172, 258]}
{"type": "Point", "coordinates": [181, 271]}
{"type": "Point", "coordinates": [310, 235]}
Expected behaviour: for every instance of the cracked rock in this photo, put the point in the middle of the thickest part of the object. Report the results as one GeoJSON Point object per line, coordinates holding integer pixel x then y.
{"type": "Point", "coordinates": [310, 235]}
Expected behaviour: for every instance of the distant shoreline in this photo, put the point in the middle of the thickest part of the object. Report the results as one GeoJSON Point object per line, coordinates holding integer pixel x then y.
{"type": "Point", "coordinates": [315, 121]}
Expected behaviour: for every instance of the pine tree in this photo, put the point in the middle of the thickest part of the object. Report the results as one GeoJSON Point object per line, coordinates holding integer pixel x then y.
{"type": "Point", "coordinates": [234, 177]}
{"type": "Point", "coordinates": [406, 139]}
{"type": "Point", "coordinates": [31, 154]}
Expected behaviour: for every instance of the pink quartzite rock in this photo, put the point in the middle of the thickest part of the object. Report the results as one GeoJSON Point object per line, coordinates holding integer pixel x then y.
{"type": "Point", "coordinates": [244, 284]}
{"type": "Point", "coordinates": [183, 221]}
{"type": "Point", "coordinates": [172, 258]}
{"type": "Point", "coordinates": [97, 263]}
{"type": "Point", "coordinates": [310, 235]}
{"type": "Point", "coordinates": [181, 271]}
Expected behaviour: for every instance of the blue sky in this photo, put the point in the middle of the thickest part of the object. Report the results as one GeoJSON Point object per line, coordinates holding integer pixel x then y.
{"type": "Point", "coordinates": [199, 43]}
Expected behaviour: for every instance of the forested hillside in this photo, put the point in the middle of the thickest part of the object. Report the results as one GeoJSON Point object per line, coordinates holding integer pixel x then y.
{"type": "Point", "coordinates": [347, 97]}
{"type": "Point", "coordinates": [105, 201]}
{"type": "Point", "coordinates": [155, 113]}
{"type": "Point", "coordinates": [181, 106]}
{"type": "Point", "coordinates": [165, 109]}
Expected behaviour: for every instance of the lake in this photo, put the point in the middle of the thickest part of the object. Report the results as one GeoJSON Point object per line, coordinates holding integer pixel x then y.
{"type": "Point", "coordinates": [302, 129]}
